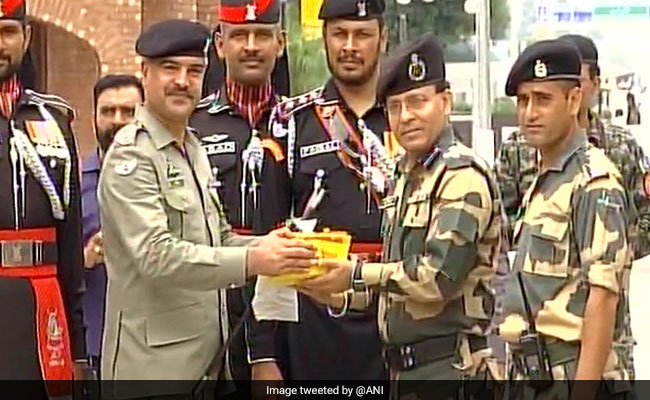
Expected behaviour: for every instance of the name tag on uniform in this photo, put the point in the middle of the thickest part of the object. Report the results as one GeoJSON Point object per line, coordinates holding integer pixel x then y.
{"type": "Point", "coordinates": [320, 148]}
{"type": "Point", "coordinates": [220, 148]}
{"type": "Point", "coordinates": [387, 202]}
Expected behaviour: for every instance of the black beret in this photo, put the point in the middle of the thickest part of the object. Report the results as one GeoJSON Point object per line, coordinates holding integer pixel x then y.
{"type": "Point", "coordinates": [13, 9]}
{"type": "Point", "coordinates": [548, 60]}
{"type": "Point", "coordinates": [351, 9]}
{"type": "Point", "coordinates": [419, 62]}
{"type": "Point", "coordinates": [174, 37]}
{"type": "Point", "coordinates": [249, 11]}
{"type": "Point", "coordinates": [586, 47]}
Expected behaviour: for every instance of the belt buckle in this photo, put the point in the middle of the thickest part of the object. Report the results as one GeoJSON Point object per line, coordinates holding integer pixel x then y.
{"type": "Point", "coordinates": [408, 357]}
{"type": "Point", "coordinates": [21, 253]}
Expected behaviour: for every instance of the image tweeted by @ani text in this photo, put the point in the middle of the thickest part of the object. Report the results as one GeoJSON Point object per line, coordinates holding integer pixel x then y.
{"type": "Point", "coordinates": [339, 391]}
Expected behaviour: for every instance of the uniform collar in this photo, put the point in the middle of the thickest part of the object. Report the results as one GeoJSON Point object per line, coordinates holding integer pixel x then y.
{"type": "Point", "coordinates": [579, 141]}
{"type": "Point", "coordinates": [331, 95]}
{"type": "Point", "coordinates": [160, 135]}
{"type": "Point", "coordinates": [446, 140]}
{"type": "Point", "coordinates": [221, 102]}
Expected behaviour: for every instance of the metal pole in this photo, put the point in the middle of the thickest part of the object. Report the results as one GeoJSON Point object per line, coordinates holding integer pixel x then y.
{"type": "Point", "coordinates": [482, 135]}
{"type": "Point", "coordinates": [483, 58]}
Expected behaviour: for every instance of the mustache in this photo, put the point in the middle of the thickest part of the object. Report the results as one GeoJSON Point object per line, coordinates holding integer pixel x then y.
{"type": "Point", "coordinates": [179, 92]}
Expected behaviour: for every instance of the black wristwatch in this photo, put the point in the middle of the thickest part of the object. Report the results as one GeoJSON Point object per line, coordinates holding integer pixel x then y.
{"type": "Point", "coordinates": [358, 285]}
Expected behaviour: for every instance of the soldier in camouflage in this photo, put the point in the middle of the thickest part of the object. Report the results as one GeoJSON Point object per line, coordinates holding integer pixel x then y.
{"type": "Point", "coordinates": [441, 240]}
{"type": "Point", "coordinates": [517, 162]}
{"type": "Point", "coordinates": [572, 240]}
{"type": "Point", "coordinates": [517, 167]}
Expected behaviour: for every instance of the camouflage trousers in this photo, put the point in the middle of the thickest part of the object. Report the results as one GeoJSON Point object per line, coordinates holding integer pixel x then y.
{"type": "Point", "coordinates": [466, 376]}
{"type": "Point", "coordinates": [564, 360]}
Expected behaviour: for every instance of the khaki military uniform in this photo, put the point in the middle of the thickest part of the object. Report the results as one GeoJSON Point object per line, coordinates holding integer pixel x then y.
{"type": "Point", "coordinates": [169, 252]}
{"type": "Point", "coordinates": [573, 235]}
{"type": "Point", "coordinates": [442, 241]}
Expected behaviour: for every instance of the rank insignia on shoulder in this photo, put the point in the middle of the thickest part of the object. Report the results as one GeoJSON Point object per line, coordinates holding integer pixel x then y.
{"type": "Point", "coordinates": [126, 167]}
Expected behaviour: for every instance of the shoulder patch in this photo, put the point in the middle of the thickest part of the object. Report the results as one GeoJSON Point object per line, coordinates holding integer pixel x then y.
{"type": "Point", "coordinates": [51, 100]}
{"type": "Point", "coordinates": [207, 101]}
{"type": "Point", "coordinates": [291, 105]}
{"type": "Point", "coordinates": [126, 136]}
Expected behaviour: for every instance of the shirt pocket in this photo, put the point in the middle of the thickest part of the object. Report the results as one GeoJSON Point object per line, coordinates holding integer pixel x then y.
{"type": "Point", "coordinates": [177, 205]}
{"type": "Point", "coordinates": [418, 210]}
{"type": "Point", "coordinates": [548, 253]}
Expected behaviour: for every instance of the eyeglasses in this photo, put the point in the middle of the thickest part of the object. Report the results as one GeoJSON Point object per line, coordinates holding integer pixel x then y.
{"type": "Point", "coordinates": [414, 102]}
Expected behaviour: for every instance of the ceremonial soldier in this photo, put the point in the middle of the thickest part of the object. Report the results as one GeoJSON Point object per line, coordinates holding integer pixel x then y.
{"type": "Point", "coordinates": [517, 167]}
{"type": "Point", "coordinates": [441, 238]}
{"type": "Point", "coordinates": [561, 298]}
{"type": "Point", "coordinates": [41, 263]}
{"type": "Point", "coordinates": [168, 247]}
{"type": "Point", "coordinates": [248, 161]}
{"type": "Point", "coordinates": [334, 137]}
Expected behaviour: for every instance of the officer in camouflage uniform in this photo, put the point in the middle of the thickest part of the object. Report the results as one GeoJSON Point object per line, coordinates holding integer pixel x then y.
{"type": "Point", "coordinates": [516, 164]}
{"type": "Point", "coordinates": [572, 240]}
{"type": "Point", "coordinates": [517, 167]}
{"type": "Point", "coordinates": [441, 239]}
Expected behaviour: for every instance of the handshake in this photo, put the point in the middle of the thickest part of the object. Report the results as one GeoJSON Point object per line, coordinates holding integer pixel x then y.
{"type": "Point", "coordinates": [281, 252]}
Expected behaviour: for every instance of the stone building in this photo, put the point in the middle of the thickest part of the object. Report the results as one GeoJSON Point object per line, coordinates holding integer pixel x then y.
{"type": "Point", "coordinates": [77, 41]}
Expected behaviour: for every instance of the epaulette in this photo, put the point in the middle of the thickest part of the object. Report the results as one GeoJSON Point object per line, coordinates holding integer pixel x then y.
{"type": "Point", "coordinates": [126, 136]}
{"type": "Point", "coordinates": [598, 165]}
{"type": "Point", "coordinates": [293, 104]}
{"type": "Point", "coordinates": [53, 101]}
{"type": "Point", "coordinates": [207, 101]}
{"type": "Point", "coordinates": [460, 156]}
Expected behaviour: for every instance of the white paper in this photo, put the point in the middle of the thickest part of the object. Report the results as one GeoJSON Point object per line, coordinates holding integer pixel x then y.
{"type": "Point", "coordinates": [274, 302]}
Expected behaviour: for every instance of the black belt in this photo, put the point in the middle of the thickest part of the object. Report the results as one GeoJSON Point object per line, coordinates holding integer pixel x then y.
{"type": "Point", "coordinates": [27, 253]}
{"type": "Point", "coordinates": [406, 357]}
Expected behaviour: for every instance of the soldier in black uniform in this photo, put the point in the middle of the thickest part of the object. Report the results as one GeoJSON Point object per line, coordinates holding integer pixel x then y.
{"type": "Point", "coordinates": [41, 262]}
{"type": "Point", "coordinates": [335, 140]}
{"type": "Point", "coordinates": [248, 160]}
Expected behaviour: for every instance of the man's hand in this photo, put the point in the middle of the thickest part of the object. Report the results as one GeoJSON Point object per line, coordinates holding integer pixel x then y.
{"type": "Point", "coordinates": [266, 371]}
{"type": "Point", "coordinates": [94, 251]}
{"type": "Point", "coordinates": [325, 299]}
{"type": "Point", "coordinates": [279, 253]}
{"type": "Point", "coordinates": [337, 280]}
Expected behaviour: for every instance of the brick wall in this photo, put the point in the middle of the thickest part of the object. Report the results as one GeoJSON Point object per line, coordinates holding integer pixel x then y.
{"type": "Point", "coordinates": [88, 38]}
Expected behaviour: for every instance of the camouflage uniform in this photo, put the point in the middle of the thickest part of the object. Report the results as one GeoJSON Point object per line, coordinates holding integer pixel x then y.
{"type": "Point", "coordinates": [572, 236]}
{"type": "Point", "coordinates": [442, 235]}
{"type": "Point", "coordinates": [516, 169]}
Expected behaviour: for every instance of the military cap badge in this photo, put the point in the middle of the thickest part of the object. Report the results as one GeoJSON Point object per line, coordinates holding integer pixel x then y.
{"type": "Point", "coordinates": [541, 71]}
{"type": "Point", "coordinates": [417, 68]}
{"type": "Point", "coordinates": [362, 8]}
{"type": "Point", "coordinates": [251, 9]}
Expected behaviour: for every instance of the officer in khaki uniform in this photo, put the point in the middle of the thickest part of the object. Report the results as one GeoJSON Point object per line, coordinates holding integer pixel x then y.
{"type": "Point", "coordinates": [441, 239]}
{"type": "Point", "coordinates": [168, 247]}
{"type": "Point", "coordinates": [565, 290]}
